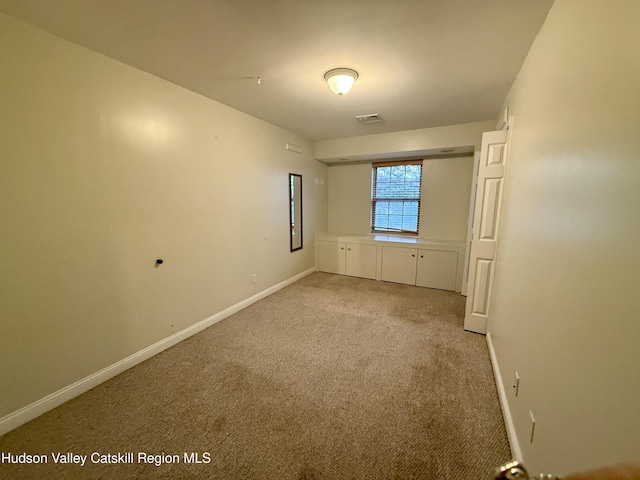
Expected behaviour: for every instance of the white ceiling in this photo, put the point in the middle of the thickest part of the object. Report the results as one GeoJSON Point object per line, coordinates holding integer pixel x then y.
{"type": "Point", "coordinates": [422, 63]}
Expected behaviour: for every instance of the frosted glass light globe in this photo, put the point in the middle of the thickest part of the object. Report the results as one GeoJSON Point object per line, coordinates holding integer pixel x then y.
{"type": "Point", "coordinates": [341, 80]}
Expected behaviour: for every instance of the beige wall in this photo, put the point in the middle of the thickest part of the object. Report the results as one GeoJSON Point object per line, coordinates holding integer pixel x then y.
{"type": "Point", "coordinates": [444, 207]}
{"type": "Point", "coordinates": [105, 168]}
{"type": "Point", "coordinates": [566, 296]}
{"type": "Point", "coordinates": [350, 198]}
{"type": "Point", "coordinates": [444, 210]}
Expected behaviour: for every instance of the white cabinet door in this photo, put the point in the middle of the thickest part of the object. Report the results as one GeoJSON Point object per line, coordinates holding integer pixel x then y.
{"type": "Point", "coordinates": [399, 265]}
{"type": "Point", "coordinates": [361, 260]}
{"type": "Point", "coordinates": [331, 256]}
{"type": "Point", "coordinates": [437, 269]}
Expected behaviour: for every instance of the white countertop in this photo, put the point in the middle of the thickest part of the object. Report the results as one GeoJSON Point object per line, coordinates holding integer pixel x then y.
{"type": "Point", "coordinates": [399, 240]}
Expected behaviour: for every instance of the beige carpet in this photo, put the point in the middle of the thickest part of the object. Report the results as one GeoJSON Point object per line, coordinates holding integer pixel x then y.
{"type": "Point", "coordinates": [333, 377]}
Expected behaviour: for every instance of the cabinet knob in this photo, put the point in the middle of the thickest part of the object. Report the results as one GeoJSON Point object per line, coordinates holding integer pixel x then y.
{"type": "Point", "coordinates": [349, 249]}
{"type": "Point", "coordinates": [413, 254]}
{"type": "Point", "coordinates": [421, 256]}
{"type": "Point", "coordinates": [341, 248]}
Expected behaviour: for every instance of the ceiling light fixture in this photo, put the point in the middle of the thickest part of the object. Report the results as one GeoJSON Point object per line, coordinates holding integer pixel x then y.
{"type": "Point", "coordinates": [341, 80]}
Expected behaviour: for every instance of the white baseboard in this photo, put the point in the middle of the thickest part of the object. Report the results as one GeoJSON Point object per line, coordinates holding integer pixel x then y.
{"type": "Point", "coordinates": [39, 407]}
{"type": "Point", "coordinates": [516, 453]}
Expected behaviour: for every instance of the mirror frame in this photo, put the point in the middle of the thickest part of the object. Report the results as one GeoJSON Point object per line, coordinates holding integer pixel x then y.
{"type": "Point", "coordinates": [293, 203]}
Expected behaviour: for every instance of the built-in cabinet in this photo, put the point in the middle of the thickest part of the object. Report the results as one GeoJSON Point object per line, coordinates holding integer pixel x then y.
{"type": "Point", "coordinates": [361, 260]}
{"type": "Point", "coordinates": [347, 258]}
{"type": "Point", "coordinates": [398, 265]}
{"type": "Point", "coordinates": [438, 269]}
{"type": "Point", "coordinates": [331, 256]}
{"type": "Point", "coordinates": [413, 261]}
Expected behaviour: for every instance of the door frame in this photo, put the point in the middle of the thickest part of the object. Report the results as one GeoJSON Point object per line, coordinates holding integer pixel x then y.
{"type": "Point", "coordinates": [472, 209]}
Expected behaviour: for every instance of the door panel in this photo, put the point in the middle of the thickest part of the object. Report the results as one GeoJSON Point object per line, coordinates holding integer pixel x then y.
{"type": "Point", "coordinates": [496, 154]}
{"type": "Point", "coordinates": [482, 282]}
{"type": "Point", "coordinates": [489, 219]}
{"type": "Point", "coordinates": [361, 260]}
{"type": "Point", "coordinates": [399, 265]}
{"type": "Point", "coordinates": [437, 269]}
{"type": "Point", "coordinates": [331, 257]}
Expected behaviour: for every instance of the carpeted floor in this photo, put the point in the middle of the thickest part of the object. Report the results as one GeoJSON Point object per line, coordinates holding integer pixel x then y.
{"type": "Point", "coordinates": [333, 377]}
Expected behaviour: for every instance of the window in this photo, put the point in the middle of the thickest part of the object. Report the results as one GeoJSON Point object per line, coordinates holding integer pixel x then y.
{"type": "Point", "coordinates": [395, 199]}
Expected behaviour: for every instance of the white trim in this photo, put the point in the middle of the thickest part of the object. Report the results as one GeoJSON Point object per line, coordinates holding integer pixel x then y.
{"type": "Point", "coordinates": [503, 121]}
{"type": "Point", "coordinates": [516, 453]}
{"type": "Point", "coordinates": [475, 323]}
{"type": "Point", "coordinates": [39, 407]}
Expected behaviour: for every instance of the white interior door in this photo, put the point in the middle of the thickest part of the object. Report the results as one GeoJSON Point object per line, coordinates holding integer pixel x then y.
{"type": "Point", "coordinates": [486, 222]}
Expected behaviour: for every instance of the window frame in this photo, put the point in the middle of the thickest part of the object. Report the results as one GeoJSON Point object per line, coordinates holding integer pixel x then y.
{"type": "Point", "coordinates": [375, 199]}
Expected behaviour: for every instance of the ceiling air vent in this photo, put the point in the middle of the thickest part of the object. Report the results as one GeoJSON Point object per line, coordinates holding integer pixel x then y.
{"type": "Point", "coordinates": [370, 118]}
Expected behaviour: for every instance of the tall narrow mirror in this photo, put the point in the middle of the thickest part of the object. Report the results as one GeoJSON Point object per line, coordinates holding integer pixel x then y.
{"type": "Point", "coordinates": [295, 211]}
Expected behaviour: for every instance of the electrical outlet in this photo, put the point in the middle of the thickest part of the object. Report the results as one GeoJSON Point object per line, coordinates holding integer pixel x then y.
{"type": "Point", "coordinates": [254, 278]}
{"type": "Point", "coordinates": [532, 426]}
{"type": "Point", "coordinates": [516, 384]}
